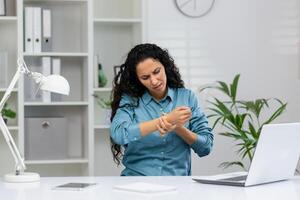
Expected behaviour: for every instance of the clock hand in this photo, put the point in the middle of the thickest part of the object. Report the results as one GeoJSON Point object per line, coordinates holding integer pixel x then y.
{"type": "Point", "coordinates": [182, 5]}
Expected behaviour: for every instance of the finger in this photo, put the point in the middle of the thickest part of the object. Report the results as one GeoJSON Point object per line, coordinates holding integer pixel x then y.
{"type": "Point", "coordinates": [185, 110]}
{"type": "Point", "coordinates": [168, 125]}
{"type": "Point", "coordinates": [161, 130]}
{"type": "Point", "coordinates": [185, 118]}
{"type": "Point", "coordinates": [162, 124]}
{"type": "Point", "coordinates": [182, 108]}
{"type": "Point", "coordinates": [173, 127]}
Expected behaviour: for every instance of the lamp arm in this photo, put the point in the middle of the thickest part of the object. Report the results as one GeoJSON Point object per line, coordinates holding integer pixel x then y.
{"type": "Point", "coordinates": [19, 161]}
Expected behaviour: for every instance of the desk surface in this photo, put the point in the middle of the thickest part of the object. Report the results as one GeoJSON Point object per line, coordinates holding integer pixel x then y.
{"type": "Point", "coordinates": [186, 189]}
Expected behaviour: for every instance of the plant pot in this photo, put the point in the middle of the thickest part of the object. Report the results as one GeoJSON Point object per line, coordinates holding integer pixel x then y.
{"type": "Point", "coordinates": [5, 120]}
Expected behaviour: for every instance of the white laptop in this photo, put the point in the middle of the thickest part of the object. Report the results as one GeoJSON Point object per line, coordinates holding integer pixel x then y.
{"type": "Point", "coordinates": [275, 158]}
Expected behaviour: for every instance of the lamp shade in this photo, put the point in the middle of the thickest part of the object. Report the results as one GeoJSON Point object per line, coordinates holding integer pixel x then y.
{"type": "Point", "coordinates": [55, 83]}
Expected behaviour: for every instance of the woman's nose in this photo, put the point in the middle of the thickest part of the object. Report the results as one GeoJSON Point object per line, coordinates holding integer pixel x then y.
{"type": "Point", "coordinates": [153, 81]}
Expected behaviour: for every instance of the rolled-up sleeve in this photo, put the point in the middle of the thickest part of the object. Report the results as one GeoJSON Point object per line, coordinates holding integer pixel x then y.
{"type": "Point", "coordinates": [199, 125]}
{"type": "Point", "coordinates": [123, 128]}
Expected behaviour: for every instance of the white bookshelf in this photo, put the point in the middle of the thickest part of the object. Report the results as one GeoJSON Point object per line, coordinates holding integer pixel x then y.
{"type": "Point", "coordinates": [104, 126]}
{"type": "Point", "coordinates": [66, 161]}
{"type": "Point", "coordinates": [80, 29]}
{"type": "Point", "coordinates": [56, 54]}
{"type": "Point", "coordinates": [13, 128]}
{"type": "Point", "coordinates": [104, 89]}
{"type": "Point", "coordinates": [117, 27]}
{"type": "Point", "coordinates": [70, 103]}
{"type": "Point", "coordinates": [2, 90]}
{"type": "Point", "coordinates": [9, 43]}
{"type": "Point", "coordinates": [117, 21]}
{"type": "Point", "coordinates": [8, 19]}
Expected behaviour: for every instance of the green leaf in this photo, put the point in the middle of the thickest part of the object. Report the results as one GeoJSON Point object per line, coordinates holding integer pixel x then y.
{"type": "Point", "coordinates": [225, 165]}
{"type": "Point", "coordinates": [276, 113]}
{"type": "Point", "coordinates": [223, 87]}
{"type": "Point", "coordinates": [216, 122]}
{"type": "Point", "coordinates": [233, 87]}
{"type": "Point", "coordinates": [252, 130]}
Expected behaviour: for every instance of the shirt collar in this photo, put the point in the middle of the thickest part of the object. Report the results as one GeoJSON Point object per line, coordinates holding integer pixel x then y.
{"type": "Point", "coordinates": [147, 96]}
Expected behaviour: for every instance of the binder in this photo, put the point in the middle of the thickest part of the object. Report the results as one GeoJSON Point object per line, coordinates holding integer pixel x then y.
{"type": "Point", "coordinates": [28, 43]}
{"type": "Point", "coordinates": [56, 69]}
{"type": "Point", "coordinates": [2, 7]}
{"type": "Point", "coordinates": [46, 71]}
{"type": "Point", "coordinates": [37, 44]}
{"type": "Point", "coordinates": [47, 36]}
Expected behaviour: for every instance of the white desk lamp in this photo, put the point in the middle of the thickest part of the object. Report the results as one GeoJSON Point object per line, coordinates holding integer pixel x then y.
{"type": "Point", "coordinates": [53, 83]}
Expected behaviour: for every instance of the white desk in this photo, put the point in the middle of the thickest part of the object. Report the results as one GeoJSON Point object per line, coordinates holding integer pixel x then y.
{"type": "Point", "coordinates": [187, 190]}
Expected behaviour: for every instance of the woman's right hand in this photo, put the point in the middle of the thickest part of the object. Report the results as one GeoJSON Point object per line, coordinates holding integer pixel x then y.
{"type": "Point", "coordinates": [179, 116]}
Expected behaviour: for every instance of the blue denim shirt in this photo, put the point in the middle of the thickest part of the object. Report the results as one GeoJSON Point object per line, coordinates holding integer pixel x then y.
{"type": "Point", "coordinates": [154, 155]}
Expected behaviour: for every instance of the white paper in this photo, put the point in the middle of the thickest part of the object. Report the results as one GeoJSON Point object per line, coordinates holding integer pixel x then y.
{"type": "Point", "coordinates": [145, 187]}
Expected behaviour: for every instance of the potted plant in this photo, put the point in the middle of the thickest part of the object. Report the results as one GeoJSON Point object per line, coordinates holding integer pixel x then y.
{"type": "Point", "coordinates": [7, 113]}
{"type": "Point", "coordinates": [241, 120]}
{"type": "Point", "coordinates": [106, 105]}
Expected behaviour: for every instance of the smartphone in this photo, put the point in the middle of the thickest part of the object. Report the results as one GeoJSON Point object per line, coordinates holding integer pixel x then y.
{"type": "Point", "coordinates": [74, 186]}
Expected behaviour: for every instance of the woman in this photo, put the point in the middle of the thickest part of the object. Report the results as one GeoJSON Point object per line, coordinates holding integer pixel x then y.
{"type": "Point", "coordinates": [155, 120]}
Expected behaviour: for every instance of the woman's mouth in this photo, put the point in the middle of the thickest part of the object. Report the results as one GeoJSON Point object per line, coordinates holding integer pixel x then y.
{"type": "Point", "coordinates": [157, 87]}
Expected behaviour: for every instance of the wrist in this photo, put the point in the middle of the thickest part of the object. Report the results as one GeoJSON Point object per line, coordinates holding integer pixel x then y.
{"type": "Point", "coordinates": [179, 128]}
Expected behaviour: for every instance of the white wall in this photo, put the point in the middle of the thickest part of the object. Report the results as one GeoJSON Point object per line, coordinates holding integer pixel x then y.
{"type": "Point", "coordinates": [258, 39]}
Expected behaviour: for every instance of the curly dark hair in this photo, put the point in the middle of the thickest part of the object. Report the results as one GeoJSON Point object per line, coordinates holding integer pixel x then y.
{"type": "Point", "coordinates": [126, 81]}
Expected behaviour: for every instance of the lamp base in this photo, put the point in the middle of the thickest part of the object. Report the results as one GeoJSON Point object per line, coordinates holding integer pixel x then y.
{"type": "Point", "coordinates": [23, 177]}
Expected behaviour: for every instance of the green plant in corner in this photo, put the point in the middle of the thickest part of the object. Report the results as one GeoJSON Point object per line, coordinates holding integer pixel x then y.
{"type": "Point", "coordinates": [7, 112]}
{"type": "Point", "coordinates": [241, 120]}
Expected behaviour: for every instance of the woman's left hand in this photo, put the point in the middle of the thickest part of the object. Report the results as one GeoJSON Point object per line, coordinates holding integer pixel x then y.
{"type": "Point", "coordinates": [164, 126]}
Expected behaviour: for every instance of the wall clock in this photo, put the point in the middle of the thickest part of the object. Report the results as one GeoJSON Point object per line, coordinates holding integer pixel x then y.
{"type": "Point", "coordinates": [194, 8]}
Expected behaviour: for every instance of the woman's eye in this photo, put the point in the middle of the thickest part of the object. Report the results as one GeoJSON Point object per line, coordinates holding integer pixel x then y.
{"type": "Point", "coordinates": [144, 78]}
{"type": "Point", "coordinates": [156, 71]}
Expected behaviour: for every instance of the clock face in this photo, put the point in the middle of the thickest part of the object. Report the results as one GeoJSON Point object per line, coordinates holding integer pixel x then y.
{"type": "Point", "coordinates": [194, 8]}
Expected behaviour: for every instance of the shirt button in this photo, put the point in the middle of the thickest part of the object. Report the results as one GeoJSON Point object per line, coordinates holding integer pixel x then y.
{"type": "Point", "coordinates": [162, 153]}
{"type": "Point", "coordinates": [135, 138]}
{"type": "Point", "coordinates": [164, 140]}
{"type": "Point", "coordinates": [159, 168]}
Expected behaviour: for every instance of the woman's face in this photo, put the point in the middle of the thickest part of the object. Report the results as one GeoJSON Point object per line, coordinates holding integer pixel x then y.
{"type": "Point", "coordinates": [151, 73]}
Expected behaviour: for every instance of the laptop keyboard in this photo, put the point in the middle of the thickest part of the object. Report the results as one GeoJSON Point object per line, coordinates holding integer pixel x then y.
{"type": "Point", "coordinates": [237, 178]}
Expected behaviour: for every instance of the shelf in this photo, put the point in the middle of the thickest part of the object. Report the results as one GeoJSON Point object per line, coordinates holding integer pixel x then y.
{"type": "Point", "coordinates": [4, 89]}
{"type": "Point", "coordinates": [13, 128]}
{"type": "Point", "coordinates": [8, 19]}
{"type": "Point", "coordinates": [69, 103]}
{"type": "Point", "coordinates": [102, 89]}
{"type": "Point", "coordinates": [54, 1]}
{"type": "Point", "coordinates": [66, 161]}
{"type": "Point", "coordinates": [57, 54]}
{"type": "Point", "coordinates": [105, 126]}
{"type": "Point", "coordinates": [118, 20]}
